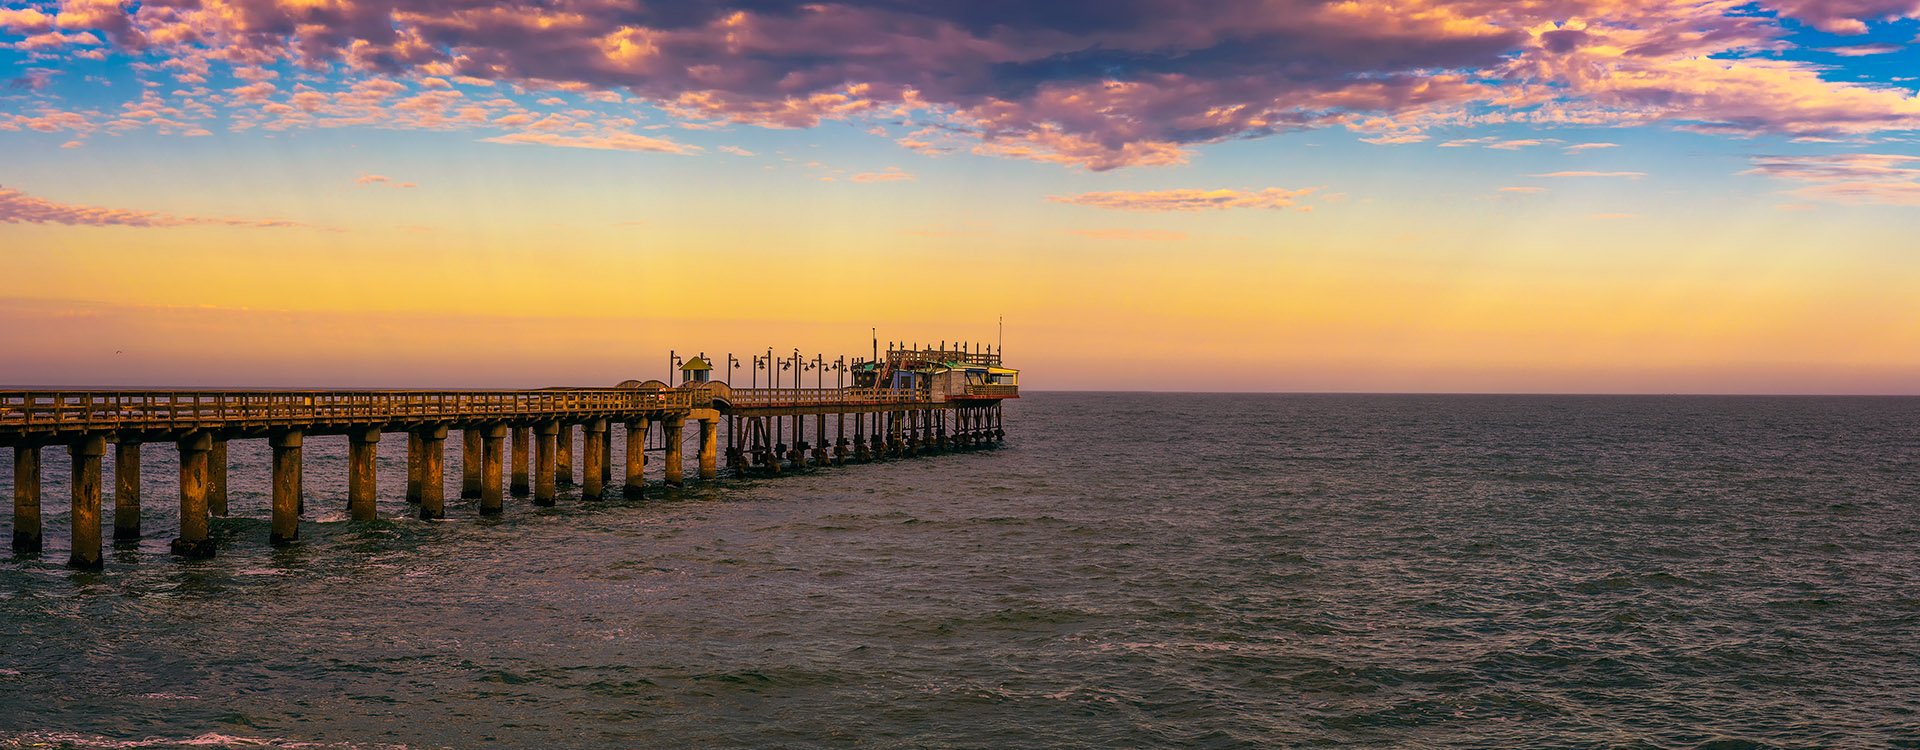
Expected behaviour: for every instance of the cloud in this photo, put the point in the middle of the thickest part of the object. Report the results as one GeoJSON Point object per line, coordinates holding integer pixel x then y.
{"type": "Point", "coordinates": [1863, 50]}
{"type": "Point", "coordinates": [1397, 138]}
{"type": "Point", "coordinates": [1844, 16]}
{"type": "Point", "coordinates": [1132, 235]}
{"type": "Point", "coordinates": [1580, 148]}
{"type": "Point", "coordinates": [20, 208]}
{"type": "Point", "coordinates": [25, 20]}
{"type": "Point", "coordinates": [380, 179]}
{"type": "Point", "coordinates": [735, 150]}
{"type": "Point", "coordinates": [1584, 173]}
{"type": "Point", "coordinates": [1187, 200]}
{"type": "Point", "coordinates": [1497, 143]}
{"type": "Point", "coordinates": [1091, 84]}
{"type": "Point", "coordinates": [606, 142]}
{"type": "Point", "coordinates": [1890, 179]}
{"type": "Point", "coordinates": [890, 174]}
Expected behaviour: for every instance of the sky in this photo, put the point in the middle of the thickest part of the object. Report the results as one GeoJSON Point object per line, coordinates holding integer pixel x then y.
{"type": "Point", "coordinates": [1592, 196]}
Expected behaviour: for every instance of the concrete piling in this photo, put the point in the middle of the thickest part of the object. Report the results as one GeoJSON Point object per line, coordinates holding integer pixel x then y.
{"type": "Point", "coordinates": [563, 456]}
{"type": "Point", "coordinates": [126, 491]}
{"type": "Point", "coordinates": [493, 457]}
{"type": "Point", "coordinates": [194, 541]}
{"type": "Point", "coordinates": [217, 478]}
{"type": "Point", "coordinates": [675, 458]}
{"type": "Point", "coordinates": [709, 448]}
{"type": "Point", "coordinates": [636, 459]}
{"type": "Point", "coordinates": [433, 477]}
{"type": "Point", "coordinates": [86, 501]}
{"type": "Point", "coordinates": [593, 449]}
{"type": "Point", "coordinates": [286, 487]}
{"type": "Point", "coordinates": [362, 448]}
{"type": "Point", "coordinates": [546, 435]}
{"type": "Point", "coordinates": [26, 500]}
{"type": "Point", "coordinates": [413, 467]}
{"type": "Point", "coordinates": [606, 458]}
{"type": "Point", "coordinates": [469, 463]}
{"type": "Point", "coordinates": [820, 439]}
{"type": "Point", "coordinates": [521, 449]}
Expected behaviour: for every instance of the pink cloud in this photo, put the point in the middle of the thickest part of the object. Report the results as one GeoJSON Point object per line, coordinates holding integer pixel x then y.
{"type": "Point", "coordinates": [1187, 200]}
{"type": "Point", "coordinates": [20, 208]}
{"type": "Point", "coordinates": [1093, 85]}
{"type": "Point", "coordinates": [1891, 179]}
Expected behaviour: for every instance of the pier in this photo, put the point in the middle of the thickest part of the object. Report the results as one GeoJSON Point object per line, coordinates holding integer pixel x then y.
{"type": "Point", "coordinates": [519, 443]}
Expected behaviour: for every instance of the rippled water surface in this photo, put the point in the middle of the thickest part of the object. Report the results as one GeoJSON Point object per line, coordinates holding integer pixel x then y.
{"type": "Point", "coordinates": [1129, 570]}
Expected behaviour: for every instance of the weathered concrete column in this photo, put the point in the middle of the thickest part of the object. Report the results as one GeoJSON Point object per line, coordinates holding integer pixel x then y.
{"type": "Point", "coordinates": [563, 456]}
{"type": "Point", "coordinates": [433, 475]}
{"type": "Point", "coordinates": [709, 446]}
{"type": "Point", "coordinates": [286, 487]}
{"type": "Point", "coordinates": [470, 462]}
{"type": "Point", "coordinates": [217, 478]}
{"type": "Point", "coordinates": [521, 447]}
{"type": "Point", "coordinates": [26, 499]}
{"type": "Point", "coordinates": [675, 456]}
{"type": "Point", "coordinates": [545, 436]}
{"type": "Point", "coordinates": [194, 541]}
{"type": "Point", "coordinates": [820, 439]}
{"type": "Point", "coordinates": [126, 490]}
{"type": "Point", "coordinates": [606, 460]}
{"type": "Point", "coordinates": [413, 467]}
{"type": "Point", "coordinates": [636, 459]}
{"type": "Point", "coordinates": [493, 458]}
{"type": "Point", "coordinates": [363, 445]}
{"type": "Point", "coordinates": [593, 449]}
{"type": "Point", "coordinates": [86, 501]}
{"type": "Point", "coordinates": [840, 439]}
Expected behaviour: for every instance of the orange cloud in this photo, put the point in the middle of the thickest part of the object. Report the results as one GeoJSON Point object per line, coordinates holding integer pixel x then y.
{"type": "Point", "coordinates": [380, 179]}
{"type": "Point", "coordinates": [606, 142]}
{"type": "Point", "coordinates": [891, 174]}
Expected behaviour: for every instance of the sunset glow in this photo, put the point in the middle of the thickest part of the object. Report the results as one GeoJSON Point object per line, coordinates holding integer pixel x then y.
{"type": "Point", "coordinates": [1437, 195]}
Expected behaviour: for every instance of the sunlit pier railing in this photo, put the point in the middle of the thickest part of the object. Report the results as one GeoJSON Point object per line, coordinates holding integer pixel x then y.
{"type": "Point", "coordinates": [778, 397]}
{"type": "Point", "coordinates": [189, 409]}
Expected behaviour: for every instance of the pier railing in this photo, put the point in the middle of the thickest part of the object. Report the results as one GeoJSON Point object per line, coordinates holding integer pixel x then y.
{"type": "Point", "coordinates": [778, 397]}
{"type": "Point", "coordinates": [180, 409]}
{"type": "Point", "coordinates": [993, 391]}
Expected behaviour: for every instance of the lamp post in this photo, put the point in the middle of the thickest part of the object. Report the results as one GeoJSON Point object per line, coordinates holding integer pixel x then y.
{"type": "Point", "coordinates": [732, 364]}
{"type": "Point", "coordinates": [673, 365]}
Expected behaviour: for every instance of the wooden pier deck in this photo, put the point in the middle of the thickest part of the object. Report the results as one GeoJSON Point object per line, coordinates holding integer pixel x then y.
{"type": "Point", "coordinates": [766, 432]}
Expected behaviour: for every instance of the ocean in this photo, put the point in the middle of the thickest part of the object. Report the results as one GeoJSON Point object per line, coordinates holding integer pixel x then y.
{"type": "Point", "coordinates": [1128, 570]}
